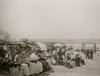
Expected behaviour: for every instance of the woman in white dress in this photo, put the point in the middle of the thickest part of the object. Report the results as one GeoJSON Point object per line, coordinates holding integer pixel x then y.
{"type": "Point", "coordinates": [40, 67]}
{"type": "Point", "coordinates": [39, 64]}
{"type": "Point", "coordinates": [35, 65]}
{"type": "Point", "coordinates": [24, 71]}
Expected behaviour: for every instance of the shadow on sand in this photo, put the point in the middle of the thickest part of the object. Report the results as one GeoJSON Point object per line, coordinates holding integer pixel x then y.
{"type": "Point", "coordinates": [47, 73]}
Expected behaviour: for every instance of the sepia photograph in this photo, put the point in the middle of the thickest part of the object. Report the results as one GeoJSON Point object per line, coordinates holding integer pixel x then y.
{"type": "Point", "coordinates": [49, 37]}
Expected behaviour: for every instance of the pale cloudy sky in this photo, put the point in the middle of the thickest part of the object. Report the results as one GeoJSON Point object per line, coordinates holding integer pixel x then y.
{"type": "Point", "coordinates": [51, 19]}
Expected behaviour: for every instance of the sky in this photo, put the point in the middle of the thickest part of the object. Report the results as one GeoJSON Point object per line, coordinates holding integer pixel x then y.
{"type": "Point", "coordinates": [51, 19]}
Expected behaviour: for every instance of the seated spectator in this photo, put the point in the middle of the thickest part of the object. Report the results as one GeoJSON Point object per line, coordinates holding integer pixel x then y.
{"type": "Point", "coordinates": [77, 60]}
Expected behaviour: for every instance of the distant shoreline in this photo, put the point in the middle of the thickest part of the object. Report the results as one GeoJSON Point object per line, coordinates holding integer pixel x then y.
{"type": "Point", "coordinates": [68, 40]}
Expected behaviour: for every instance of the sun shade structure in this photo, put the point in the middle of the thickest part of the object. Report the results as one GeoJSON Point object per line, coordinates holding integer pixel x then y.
{"type": "Point", "coordinates": [39, 45]}
{"type": "Point", "coordinates": [42, 46]}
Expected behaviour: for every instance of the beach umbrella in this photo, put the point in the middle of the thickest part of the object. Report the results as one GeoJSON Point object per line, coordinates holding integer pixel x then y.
{"type": "Point", "coordinates": [39, 45]}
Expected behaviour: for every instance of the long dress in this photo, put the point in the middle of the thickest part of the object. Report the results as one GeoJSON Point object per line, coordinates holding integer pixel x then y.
{"type": "Point", "coordinates": [24, 71]}
{"type": "Point", "coordinates": [33, 68]}
{"type": "Point", "coordinates": [34, 64]}
{"type": "Point", "coordinates": [40, 67]}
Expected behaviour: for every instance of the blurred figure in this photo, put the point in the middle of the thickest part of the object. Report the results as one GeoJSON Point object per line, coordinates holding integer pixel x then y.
{"type": "Point", "coordinates": [91, 54]}
{"type": "Point", "coordinates": [87, 53]}
{"type": "Point", "coordinates": [77, 60]}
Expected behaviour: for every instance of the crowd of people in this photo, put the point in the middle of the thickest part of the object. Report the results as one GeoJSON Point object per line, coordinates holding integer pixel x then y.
{"type": "Point", "coordinates": [26, 60]}
{"type": "Point", "coordinates": [69, 58]}
{"type": "Point", "coordinates": [23, 60]}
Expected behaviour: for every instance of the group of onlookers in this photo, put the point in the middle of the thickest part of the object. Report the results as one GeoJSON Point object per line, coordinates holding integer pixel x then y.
{"type": "Point", "coordinates": [23, 60]}
{"type": "Point", "coordinates": [69, 58]}
{"type": "Point", "coordinates": [26, 61]}
{"type": "Point", "coordinates": [32, 64]}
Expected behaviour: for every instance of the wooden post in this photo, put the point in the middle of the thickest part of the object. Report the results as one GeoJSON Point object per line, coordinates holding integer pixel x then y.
{"type": "Point", "coordinates": [83, 46]}
{"type": "Point", "coordinates": [95, 47]}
